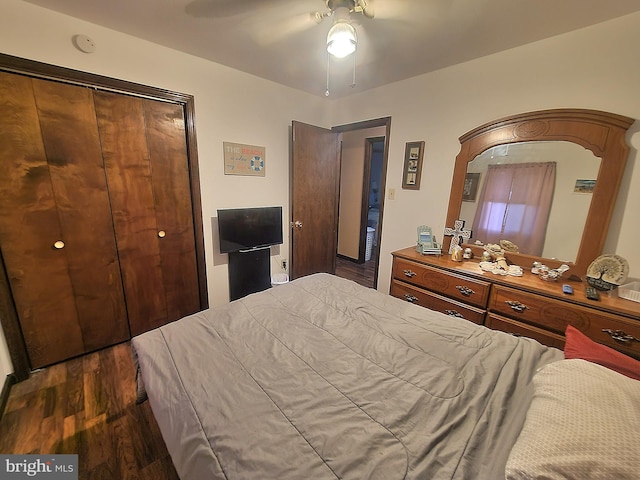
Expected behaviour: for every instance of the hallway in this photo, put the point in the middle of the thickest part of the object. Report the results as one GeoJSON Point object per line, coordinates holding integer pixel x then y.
{"type": "Point", "coordinates": [362, 273]}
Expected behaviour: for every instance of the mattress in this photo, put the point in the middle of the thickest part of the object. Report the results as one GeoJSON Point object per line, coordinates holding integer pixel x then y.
{"type": "Point", "coordinates": [321, 378]}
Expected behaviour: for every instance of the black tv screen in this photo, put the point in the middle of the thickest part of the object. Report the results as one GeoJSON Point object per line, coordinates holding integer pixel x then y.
{"type": "Point", "coordinates": [249, 228]}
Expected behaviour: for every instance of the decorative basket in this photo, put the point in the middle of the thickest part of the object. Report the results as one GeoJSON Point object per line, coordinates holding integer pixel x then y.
{"type": "Point", "coordinates": [630, 291]}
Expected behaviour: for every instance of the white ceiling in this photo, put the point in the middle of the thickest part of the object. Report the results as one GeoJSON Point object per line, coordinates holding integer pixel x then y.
{"type": "Point", "coordinates": [278, 40]}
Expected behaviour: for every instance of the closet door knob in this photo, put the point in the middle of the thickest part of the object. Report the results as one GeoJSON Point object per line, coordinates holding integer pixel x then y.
{"type": "Point", "coordinates": [162, 233]}
{"type": "Point", "coordinates": [58, 245]}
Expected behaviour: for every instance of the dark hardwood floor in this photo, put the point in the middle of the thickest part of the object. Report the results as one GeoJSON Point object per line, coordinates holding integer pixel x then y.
{"type": "Point", "coordinates": [362, 273]}
{"type": "Point", "coordinates": [87, 406]}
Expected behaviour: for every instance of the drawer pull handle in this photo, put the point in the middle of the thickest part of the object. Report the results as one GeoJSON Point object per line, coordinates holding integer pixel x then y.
{"type": "Point", "coordinates": [620, 336]}
{"type": "Point", "coordinates": [466, 291]}
{"type": "Point", "coordinates": [453, 313]}
{"type": "Point", "coordinates": [410, 298]}
{"type": "Point", "coordinates": [517, 306]}
{"type": "Point", "coordinates": [409, 273]}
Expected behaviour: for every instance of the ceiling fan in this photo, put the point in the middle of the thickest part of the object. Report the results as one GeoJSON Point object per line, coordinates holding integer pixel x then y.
{"type": "Point", "coordinates": [339, 10]}
{"type": "Point", "coordinates": [342, 39]}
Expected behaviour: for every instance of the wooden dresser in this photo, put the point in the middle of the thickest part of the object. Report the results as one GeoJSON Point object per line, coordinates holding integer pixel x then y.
{"type": "Point", "coordinates": [526, 305]}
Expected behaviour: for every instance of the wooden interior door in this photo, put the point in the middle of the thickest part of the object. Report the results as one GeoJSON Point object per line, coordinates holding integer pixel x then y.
{"type": "Point", "coordinates": [315, 173]}
{"type": "Point", "coordinates": [56, 234]}
{"type": "Point", "coordinates": [144, 149]}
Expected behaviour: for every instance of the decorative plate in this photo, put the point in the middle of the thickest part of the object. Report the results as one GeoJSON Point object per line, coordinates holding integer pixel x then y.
{"type": "Point", "coordinates": [607, 272]}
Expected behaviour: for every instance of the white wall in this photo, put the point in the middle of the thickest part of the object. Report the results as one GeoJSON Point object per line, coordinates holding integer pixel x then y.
{"type": "Point", "coordinates": [594, 68]}
{"type": "Point", "coordinates": [591, 68]}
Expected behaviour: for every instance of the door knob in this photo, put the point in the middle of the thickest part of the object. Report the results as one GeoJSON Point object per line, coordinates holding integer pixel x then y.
{"type": "Point", "coordinates": [297, 224]}
{"type": "Point", "coordinates": [162, 233]}
{"type": "Point", "coordinates": [58, 245]}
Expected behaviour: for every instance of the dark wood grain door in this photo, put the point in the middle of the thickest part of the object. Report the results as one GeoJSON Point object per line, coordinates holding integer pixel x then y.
{"type": "Point", "coordinates": [144, 149]}
{"type": "Point", "coordinates": [315, 175]}
{"type": "Point", "coordinates": [166, 138]}
{"type": "Point", "coordinates": [56, 234]}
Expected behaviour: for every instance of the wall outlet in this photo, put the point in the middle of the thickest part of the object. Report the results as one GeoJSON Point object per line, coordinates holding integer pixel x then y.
{"type": "Point", "coordinates": [283, 264]}
{"type": "Point", "coordinates": [392, 194]}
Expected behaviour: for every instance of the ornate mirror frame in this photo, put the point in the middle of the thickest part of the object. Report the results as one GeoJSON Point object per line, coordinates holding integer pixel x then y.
{"type": "Point", "coordinates": [600, 132]}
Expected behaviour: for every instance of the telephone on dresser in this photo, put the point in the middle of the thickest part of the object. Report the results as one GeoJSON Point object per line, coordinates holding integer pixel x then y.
{"type": "Point", "coordinates": [427, 244]}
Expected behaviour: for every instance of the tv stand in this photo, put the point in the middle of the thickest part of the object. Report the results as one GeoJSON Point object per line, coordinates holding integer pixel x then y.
{"type": "Point", "coordinates": [249, 272]}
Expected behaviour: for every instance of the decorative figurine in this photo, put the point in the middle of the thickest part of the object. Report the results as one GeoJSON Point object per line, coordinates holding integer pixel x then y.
{"type": "Point", "coordinates": [456, 254]}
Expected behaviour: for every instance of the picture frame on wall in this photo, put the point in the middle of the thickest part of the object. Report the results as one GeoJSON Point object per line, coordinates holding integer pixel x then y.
{"type": "Point", "coordinates": [470, 191]}
{"type": "Point", "coordinates": [584, 186]}
{"type": "Point", "coordinates": [412, 171]}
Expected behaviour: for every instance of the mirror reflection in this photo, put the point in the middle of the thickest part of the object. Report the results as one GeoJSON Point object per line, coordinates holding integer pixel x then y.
{"type": "Point", "coordinates": [533, 194]}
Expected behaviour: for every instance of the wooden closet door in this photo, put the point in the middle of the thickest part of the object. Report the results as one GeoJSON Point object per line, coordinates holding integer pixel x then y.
{"type": "Point", "coordinates": [144, 148]}
{"type": "Point", "coordinates": [56, 234]}
{"type": "Point", "coordinates": [166, 138]}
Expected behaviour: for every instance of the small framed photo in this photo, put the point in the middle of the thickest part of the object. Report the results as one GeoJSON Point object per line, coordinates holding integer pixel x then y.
{"type": "Point", "coordinates": [584, 186]}
{"type": "Point", "coordinates": [411, 173]}
{"type": "Point", "coordinates": [471, 181]}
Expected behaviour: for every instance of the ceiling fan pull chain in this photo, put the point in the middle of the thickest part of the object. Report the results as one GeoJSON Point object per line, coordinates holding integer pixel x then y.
{"type": "Point", "coordinates": [326, 93]}
{"type": "Point", "coordinates": [353, 81]}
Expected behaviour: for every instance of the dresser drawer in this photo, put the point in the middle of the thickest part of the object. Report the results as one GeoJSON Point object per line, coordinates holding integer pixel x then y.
{"type": "Point", "coordinates": [554, 315]}
{"type": "Point", "coordinates": [468, 290]}
{"type": "Point", "coordinates": [436, 302]}
{"type": "Point", "coordinates": [524, 330]}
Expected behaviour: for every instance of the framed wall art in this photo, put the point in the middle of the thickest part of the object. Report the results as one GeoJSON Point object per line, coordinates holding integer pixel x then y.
{"type": "Point", "coordinates": [412, 171]}
{"type": "Point", "coordinates": [240, 159]}
{"type": "Point", "coordinates": [471, 181]}
{"type": "Point", "coordinates": [584, 186]}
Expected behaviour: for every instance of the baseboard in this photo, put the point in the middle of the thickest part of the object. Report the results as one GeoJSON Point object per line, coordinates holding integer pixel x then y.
{"type": "Point", "coordinates": [6, 389]}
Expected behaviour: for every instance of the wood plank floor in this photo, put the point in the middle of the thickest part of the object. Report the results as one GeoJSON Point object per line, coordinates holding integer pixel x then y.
{"type": "Point", "coordinates": [87, 406]}
{"type": "Point", "coordinates": [362, 273]}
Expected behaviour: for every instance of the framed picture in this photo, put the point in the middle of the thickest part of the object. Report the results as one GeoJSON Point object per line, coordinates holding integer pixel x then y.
{"type": "Point", "coordinates": [471, 181]}
{"type": "Point", "coordinates": [584, 186]}
{"type": "Point", "coordinates": [240, 159]}
{"type": "Point", "coordinates": [413, 153]}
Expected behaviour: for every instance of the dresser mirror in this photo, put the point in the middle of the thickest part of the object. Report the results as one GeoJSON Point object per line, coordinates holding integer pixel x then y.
{"type": "Point", "coordinates": [585, 145]}
{"type": "Point", "coordinates": [574, 167]}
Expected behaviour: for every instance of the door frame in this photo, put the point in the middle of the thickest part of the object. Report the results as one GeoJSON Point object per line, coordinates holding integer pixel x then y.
{"type": "Point", "coordinates": [363, 125]}
{"type": "Point", "coordinates": [8, 63]}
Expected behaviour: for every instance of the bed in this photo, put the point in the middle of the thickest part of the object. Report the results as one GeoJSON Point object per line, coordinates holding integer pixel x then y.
{"type": "Point", "coordinates": [321, 378]}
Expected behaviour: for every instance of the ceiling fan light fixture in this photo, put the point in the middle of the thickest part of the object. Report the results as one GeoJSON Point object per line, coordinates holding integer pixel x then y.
{"type": "Point", "coordinates": [341, 39]}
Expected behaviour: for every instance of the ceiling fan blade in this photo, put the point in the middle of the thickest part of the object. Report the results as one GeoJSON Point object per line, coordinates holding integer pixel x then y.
{"type": "Point", "coordinates": [388, 9]}
{"type": "Point", "coordinates": [222, 8]}
{"type": "Point", "coordinates": [267, 33]}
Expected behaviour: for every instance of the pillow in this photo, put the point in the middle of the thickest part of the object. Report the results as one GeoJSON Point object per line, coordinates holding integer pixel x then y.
{"type": "Point", "coordinates": [583, 422]}
{"type": "Point", "coordinates": [578, 345]}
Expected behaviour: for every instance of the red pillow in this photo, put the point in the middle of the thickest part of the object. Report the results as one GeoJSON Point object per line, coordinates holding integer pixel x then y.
{"type": "Point", "coordinates": [578, 345]}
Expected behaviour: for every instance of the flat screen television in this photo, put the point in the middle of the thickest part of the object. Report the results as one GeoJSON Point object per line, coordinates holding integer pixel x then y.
{"type": "Point", "coordinates": [249, 228]}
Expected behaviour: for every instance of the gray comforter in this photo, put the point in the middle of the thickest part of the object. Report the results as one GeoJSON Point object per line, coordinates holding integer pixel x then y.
{"type": "Point", "coordinates": [321, 378]}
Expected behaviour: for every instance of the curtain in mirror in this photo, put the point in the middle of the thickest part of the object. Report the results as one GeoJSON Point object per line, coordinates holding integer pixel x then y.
{"type": "Point", "coordinates": [514, 205]}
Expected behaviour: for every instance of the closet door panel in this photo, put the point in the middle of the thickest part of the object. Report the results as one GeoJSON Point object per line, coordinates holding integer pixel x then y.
{"type": "Point", "coordinates": [29, 227]}
{"type": "Point", "coordinates": [121, 124]}
{"type": "Point", "coordinates": [70, 134]}
{"type": "Point", "coordinates": [166, 139]}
